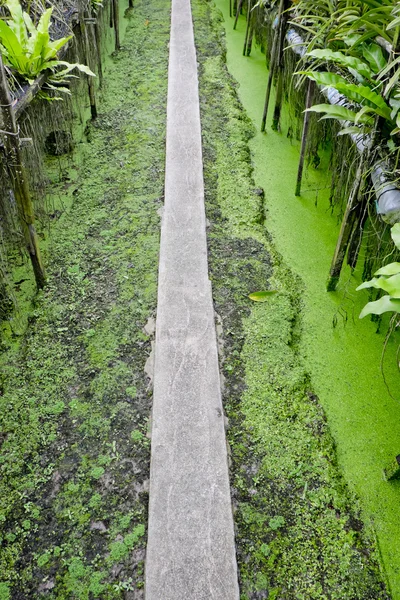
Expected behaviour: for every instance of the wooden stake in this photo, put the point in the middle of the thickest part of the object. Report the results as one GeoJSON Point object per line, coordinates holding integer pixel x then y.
{"type": "Point", "coordinates": [116, 24]}
{"type": "Point", "coordinates": [272, 64]}
{"type": "Point", "coordinates": [345, 231]}
{"type": "Point", "coordinates": [10, 135]}
{"type": "Point", "coordinates": [86, 45]}
{"type": "Point", "coordinates": [306, 124]}
{"type": "Point", "coordinates": [239, 10]}
{"type": "Point", "coordinates": [356, 236]}
{"type": "Point", "coordinates": [230, 8]}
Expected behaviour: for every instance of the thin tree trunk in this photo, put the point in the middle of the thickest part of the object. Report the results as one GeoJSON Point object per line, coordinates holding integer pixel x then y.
{"type": "Point", "coordinates": [304, 135]}
{"type": "Point", "coordinates": [279, 64]}
{"type": "Point", "coordinates": [18, 178]}
{"type": "Point", "coordinates": [238, 11]}
{"type": "Point", "coordinates": [97, 37]}
{"type": "Point", "coordinates": [356, 236]}
{"type": "Point", "coordinates": [116, 24]}
{"type": "Point", "coordinates": [251, 34]}
{"type": "Point", "coordinates": [85, 37]}
{"type": "Point", "coordinates": [230, 8]}
{"type": "Point", "coordinates": [111, 5]}
{"type": "Point", "coordinates": [345, 230]}
{"type": "Point", "coordinates": [272, 65]}
{"type": "Point", "coordinates": [246, 37]}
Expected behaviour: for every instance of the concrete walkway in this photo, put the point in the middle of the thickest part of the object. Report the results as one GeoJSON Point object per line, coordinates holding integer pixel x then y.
{"type": "Point", "coordinates": [191, 551]}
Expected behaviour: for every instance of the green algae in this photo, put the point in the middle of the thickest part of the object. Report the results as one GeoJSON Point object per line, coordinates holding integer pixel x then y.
{"type": "Point", "coordinates": [344, 361]}
{"type": "Point", "coordinates": [299, 532]}
{"type": "Point", "coordinates": [73, 491]}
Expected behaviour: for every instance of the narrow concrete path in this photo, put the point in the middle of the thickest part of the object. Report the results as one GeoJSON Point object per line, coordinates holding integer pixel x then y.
{"type": "Point", "coordinates": [190, 551]}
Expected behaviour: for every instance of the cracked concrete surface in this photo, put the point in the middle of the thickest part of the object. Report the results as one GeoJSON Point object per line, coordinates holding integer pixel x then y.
{"type": "Point", "coordinates": [191, 549]}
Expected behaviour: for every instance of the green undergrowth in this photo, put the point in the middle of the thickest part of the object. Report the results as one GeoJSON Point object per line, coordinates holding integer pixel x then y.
{"type": "Point", "coordinates": [74, 398]}
{"type": "Point", "coordinates": [298, 528]}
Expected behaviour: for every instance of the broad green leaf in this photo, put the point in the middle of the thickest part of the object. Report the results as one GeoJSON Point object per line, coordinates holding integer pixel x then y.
{"type": "Point", "coordinates": [17, 23]}
{"type": "Point", "coordinates": [351, 131]}
{"type": "Point", "coordinates": [393, 24]}
{"type": "Point", "coordinates": [323, 77]}
{"type": "Point", "coordinates": [262, 296]}
{"type": "Point", "coordinates": [374, 55]}
{"type": "Point", "coordinates": [44, 22]}
{"type": "Point", "coordinates": [351, 62]}
{"type": "Point", "coordinates": [334, 112]}
{"type": "Point", "coordinates": [390, 269]}
{"type": "Point", "coordinates": [384, 304]}
{"type": "Point", "coordinates": [362, 93]}
{"type": "Point", "coordinates": [9, 40]}
{"type": "Point", "coordinates": [395, 233]}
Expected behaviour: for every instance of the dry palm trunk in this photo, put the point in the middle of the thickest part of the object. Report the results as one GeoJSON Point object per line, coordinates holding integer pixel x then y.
{"type": "Point", "coordinates": [10, 135]}
{"type": "Point", "coordinates": [306, 125]}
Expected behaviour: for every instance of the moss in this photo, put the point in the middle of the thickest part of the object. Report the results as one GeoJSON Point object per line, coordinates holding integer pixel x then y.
{"type": "Point", "coordinates": [299, 532]}
{"type": "Point", "coordinates": [70, 467]}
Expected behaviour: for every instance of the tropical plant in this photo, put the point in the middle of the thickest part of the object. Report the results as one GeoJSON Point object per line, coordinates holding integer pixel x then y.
{"type": "Point", "coordinates": [387, 279]}
{"type": "Point", "coordinates": [28, 50]}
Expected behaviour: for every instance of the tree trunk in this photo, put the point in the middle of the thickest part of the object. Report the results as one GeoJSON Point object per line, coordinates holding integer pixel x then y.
{"type": "Point", "coordinates": [10, 134]}
{"type": "Point", "coordinates": [116, 24]}
{"type": "Point", "coordinates": [306, 124]}
{"type": "Point", "coordinates": [85, 38]}
{"type": "Point", "coordinates": [345, 230]}
{"type": "Point", "coordinates": [238, 11]}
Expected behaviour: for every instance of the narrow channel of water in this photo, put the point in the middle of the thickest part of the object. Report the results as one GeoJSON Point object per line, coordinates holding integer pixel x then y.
{"type": "Point", "coordinates": [344, 362]}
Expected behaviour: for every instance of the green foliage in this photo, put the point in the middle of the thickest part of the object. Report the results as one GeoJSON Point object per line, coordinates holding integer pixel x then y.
{"type": "Point", "coordinates": [28, 49]}
{"type": "Point", "coordinates": [387, 279]}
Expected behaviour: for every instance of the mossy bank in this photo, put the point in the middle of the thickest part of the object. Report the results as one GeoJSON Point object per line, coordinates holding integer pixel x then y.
{"type": "Point", "coordinates": [75, 399]}
{"type": "Point", "coordinates": [299, 532]}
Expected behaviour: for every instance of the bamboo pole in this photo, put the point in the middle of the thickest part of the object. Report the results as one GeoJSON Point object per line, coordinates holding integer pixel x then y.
{"type": "Point", "coordinates": [306, 125]}
{"type": "Point", "coordinates": [345, 230]}
{"type": "Point", "coordinates": [272, 65]}
{"type": "Point", "coordinates": [238, 11]}
{"type": "Point", "coordinates": [280, 66]}
{"type": "Point", "coordinates": [14, 163]}
{"type": "Point", "coordinates": [115, 5]}
{"type": "Point", "coordinates": [86, 46]}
